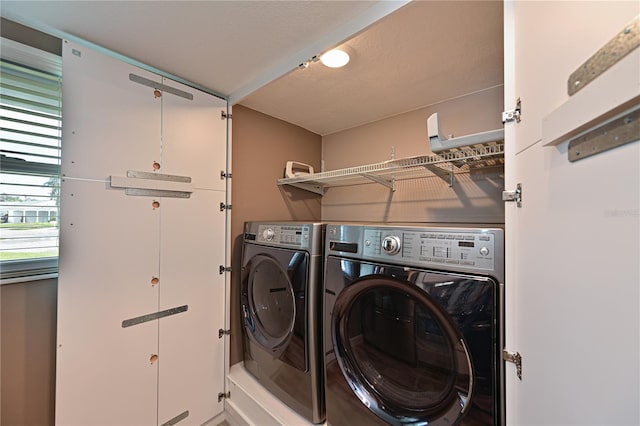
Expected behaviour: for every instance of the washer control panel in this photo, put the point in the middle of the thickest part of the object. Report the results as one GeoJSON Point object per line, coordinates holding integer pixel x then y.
{"type": "Point", "coordinates": [287, 235]}
{"type": "Point", "coordinates": [476, 250]}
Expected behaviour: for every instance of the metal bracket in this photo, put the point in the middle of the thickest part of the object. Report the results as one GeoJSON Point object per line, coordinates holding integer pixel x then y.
{"type": "Point", "coordinates": [222, 332]}
{"type": "Point", "coordinates": [224, 207]}
{"type": "Point", "coordinates": [515, 196]}
{"type": "Point", "coordinates": [223, 395]}
{"type": "Point", "coordinates": [224, 115]}
{"type": "Point", "coordinates": [316, 189]}
{"type": "Point", "coordinates": [389, 183]}
{"type": "Point", "coordinates": [608, 55]}
{"type": "Point", "coordinates": [177, 419]}
{"type": "Point", "coordinates": [159, 86]}
{"type": "Point", "coordinates": [515, 358]}
{"type": "Point", "coordinates": [224, 269]}
{"type": "Point", "coordinates": [137, 192]}
{"type": "Point", "coordinates": [147, 184]}
{"type": "Point", "coordinates": [618, 132]}
{"type": "Point", "coordinates": [154, 316]}
{"type": "Point", "coordinates": [446, 175]}
{"type": "Point", "coordinates": [224, 175]}
{"type": "Point", "coordinates": [513, 114]}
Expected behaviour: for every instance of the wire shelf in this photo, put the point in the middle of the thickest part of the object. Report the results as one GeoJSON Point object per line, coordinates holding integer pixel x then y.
{"type": "Point", "coordinates": [444, 165]}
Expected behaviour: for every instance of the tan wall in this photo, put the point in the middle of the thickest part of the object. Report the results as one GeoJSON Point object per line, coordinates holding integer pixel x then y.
{"type": "Point", "coordinates": [28, 352]}
{"type": "Point", "coordinates": [261, 146]}
{"type": "Point", "coordinates": [474, 197]}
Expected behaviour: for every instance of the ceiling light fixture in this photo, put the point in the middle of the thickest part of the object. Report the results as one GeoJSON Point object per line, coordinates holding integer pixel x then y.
{"type": "Point", "coordinates": [335, 58]}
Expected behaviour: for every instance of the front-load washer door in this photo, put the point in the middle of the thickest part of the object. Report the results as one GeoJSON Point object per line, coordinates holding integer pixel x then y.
{"type": "Point", "coordinates": [397, 338]}
{"type": "Point", "coordinates": [273, 299]}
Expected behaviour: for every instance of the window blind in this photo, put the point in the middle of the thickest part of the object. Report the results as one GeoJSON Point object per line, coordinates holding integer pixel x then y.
{"type": "Point", "coordinates": [30, 144]}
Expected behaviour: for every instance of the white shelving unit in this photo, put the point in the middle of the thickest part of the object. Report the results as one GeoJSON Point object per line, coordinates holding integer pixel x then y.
{"type": "Point", "coordinates": [444, 165]}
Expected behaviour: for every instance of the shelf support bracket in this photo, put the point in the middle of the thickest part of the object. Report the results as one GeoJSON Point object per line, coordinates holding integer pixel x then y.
{"type": "Point", "coordinates": [391, 184]}
{"type": "Point", "coordinates": [316, 189]}
{"type": "Point", "coordinates": [445, 175]}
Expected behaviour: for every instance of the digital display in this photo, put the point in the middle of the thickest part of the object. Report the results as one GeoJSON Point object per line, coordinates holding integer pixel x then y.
{"type": "Point", "coordinates": [345, 247]}
{"type": "Point", "coordinates": [465, 244]}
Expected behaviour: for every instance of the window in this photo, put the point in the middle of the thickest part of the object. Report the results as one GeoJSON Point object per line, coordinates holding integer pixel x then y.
{"type": "Point", "coordinates": [30, 139]}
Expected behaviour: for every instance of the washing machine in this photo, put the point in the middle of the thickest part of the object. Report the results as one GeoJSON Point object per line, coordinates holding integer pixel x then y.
{"type": "Point", "coordinates": [281, 297]}
{"type": "Point", "coordinates": [413, 325]}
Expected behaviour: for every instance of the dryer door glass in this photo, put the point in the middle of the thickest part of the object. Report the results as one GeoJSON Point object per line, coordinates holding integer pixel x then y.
{"type": "Point", "coordinates": [272, 300]}
{"type": "Point", "coordinates": [400, 351]}
{"type": "Point", "coordinates": [273, 295]}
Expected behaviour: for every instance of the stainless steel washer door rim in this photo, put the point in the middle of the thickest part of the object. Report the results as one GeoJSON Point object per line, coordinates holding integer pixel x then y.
{"type": "Point", "coordinates": [426, 378]}
{"type": "Point", "coordinates": [269, 303]}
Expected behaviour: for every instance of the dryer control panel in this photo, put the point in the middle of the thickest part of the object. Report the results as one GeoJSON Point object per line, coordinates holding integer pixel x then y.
{"type": "Point", "coordinates": [286, 235]}
{"type": "Point", "coordinates": [464, 249]}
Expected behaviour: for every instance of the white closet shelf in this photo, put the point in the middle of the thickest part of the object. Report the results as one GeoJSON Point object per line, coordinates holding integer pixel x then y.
{"type": "Point", "coordinates": [444, 165]}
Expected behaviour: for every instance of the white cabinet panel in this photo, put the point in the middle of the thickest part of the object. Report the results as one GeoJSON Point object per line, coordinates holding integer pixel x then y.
{"type": "Point", "coordinates": [192, 355]}
{"type": "Point", "coordinates": [128, 256]}
{"type": "Point", "coordinates": [572, 294]}
{"type": "Point", "coordinates": [109, 254]}
{"type": "Point", "coordinates": [110, 123]}
{"type": "Point", "coordinates": [194, 137]}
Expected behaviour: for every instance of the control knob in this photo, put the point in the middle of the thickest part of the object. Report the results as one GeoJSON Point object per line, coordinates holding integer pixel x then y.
{"type": "Point", "coordinates": [268, 234]}
{"type": "Point", "coordinates": [391, 244]}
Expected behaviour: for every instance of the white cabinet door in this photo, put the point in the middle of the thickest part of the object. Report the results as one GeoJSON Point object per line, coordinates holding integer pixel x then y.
{"type": "Point", "coordinates": [192, 248]}
{"type": "Point", "coordinates": [572, 292]}
{"type": "Point", "coordinates": [191, 353]}
{"type": "Point", "coordinates": [108, 247]}
{"type": "Point", "coordinates": [194, 136]}
{"type": "Point", "coordinates": [108, 256]}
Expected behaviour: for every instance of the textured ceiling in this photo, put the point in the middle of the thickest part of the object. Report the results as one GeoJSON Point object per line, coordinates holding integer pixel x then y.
{"type": "Point", "coordinates": [422, 54]}
{"type": "Point", "coordinates": [416, 55]}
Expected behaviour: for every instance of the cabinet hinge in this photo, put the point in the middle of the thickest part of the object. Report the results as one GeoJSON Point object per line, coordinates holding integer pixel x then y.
{"type": "Point", "coordinates": [222, 332]}
{"type": "Point", "coordinates": [224, 175]}
{"type": "Point", "coordinates": [224, 207]}
{"type": "Point", "coordinates": [515, 358]}
{"type": "Point", "coordinates": [515, 196]}
{"type": "Point", "coordinates": [513, 114]}
{"type": "Point", "coordinates": [224, 269]}
{"type": "Point", "coordinates": [223, 395]}
{"type": "Point", "coordinates": [224, 115]}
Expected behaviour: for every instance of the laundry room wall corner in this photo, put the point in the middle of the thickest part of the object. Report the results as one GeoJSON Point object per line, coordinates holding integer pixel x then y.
{"type": "Point", "coordinates": [261, 147]}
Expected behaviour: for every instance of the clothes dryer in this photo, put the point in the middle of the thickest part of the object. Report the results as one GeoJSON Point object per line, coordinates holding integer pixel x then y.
{"type": "Point", "coordinates": [413, 325]}
{"type": "Point", "coordinates": [281, 289]}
